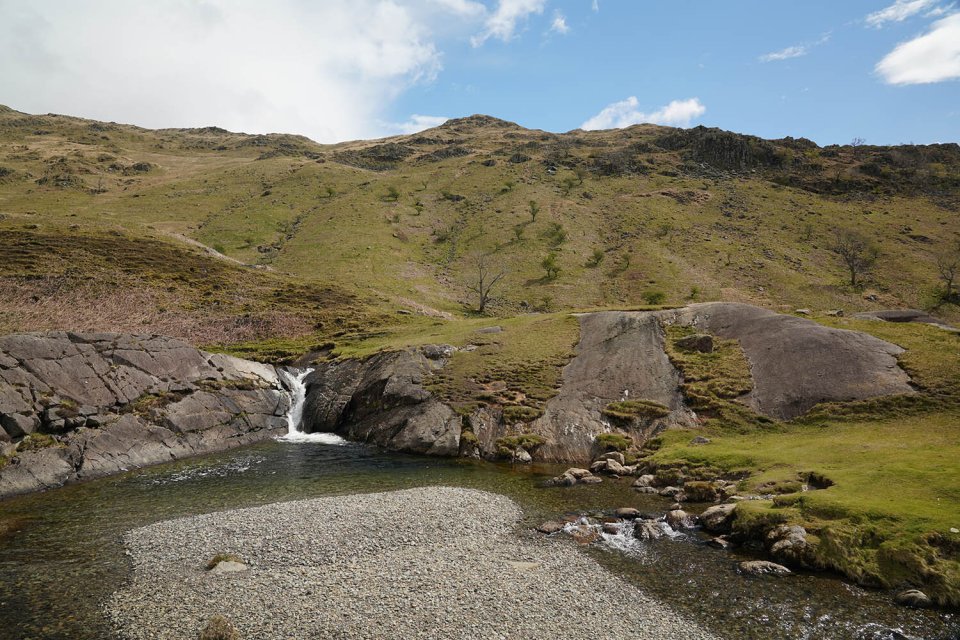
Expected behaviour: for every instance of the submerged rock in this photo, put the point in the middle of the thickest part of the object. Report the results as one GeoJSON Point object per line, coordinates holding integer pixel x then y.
{"type": "Point", "coordinates": [550, 526]}
{"type": "Point", "coordinates": [763, 568]}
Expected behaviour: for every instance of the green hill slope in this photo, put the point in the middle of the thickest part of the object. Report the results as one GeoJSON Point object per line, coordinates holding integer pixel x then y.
{"type": "Point", "coordinates": [693, 214]}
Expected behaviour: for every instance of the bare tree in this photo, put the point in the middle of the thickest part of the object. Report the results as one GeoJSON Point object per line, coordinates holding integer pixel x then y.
{"type": "Point", "coordinates": [856, 252]}
{"type": "Point", "coordinates": [857, 145]}
{"type": "Point", "coordinates": [486, 276]}
{"type": "Point", "coordinates": [948, 266]}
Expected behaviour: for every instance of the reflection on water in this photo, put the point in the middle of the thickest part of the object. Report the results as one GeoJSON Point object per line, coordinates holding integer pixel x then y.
{"type": "Point", "coordinates": [60, 551]}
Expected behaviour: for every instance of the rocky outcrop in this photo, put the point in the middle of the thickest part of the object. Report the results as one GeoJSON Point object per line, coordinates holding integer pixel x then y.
{"type": "Point", "coordinates": [905, 315]}
{"type": "Point", "coordinates": [797, 363]}
{"type": "Point", "coordinates": [382, 400]}
{"type": "Point", "coordinates": [77, 406]}
{"type": "Point", "coordinates": [620, 357]}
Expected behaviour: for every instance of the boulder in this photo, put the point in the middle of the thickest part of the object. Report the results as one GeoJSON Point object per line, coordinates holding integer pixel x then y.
{"type": "Point", "coordinates": [610, 528]}
{"type": "Point", "coordinates": [627, 513]}
{"type": "Point", "coordinates": [551, 526]}
{"type": "Point", "coordinates": [701, 440]}
{"type": "Point", "coordinates": [647, 530]}
{"type": "Point", "coordinates": [591, 480]}
{"type": "Point", "coordinates": [913, 598]}
{"type": "Point", "coordinates": [672, 492]}
{"type": "Point", "coordinates": [585, 534]}
{"type": "Point", "coordinates": [679, 519]}
{"type": "Point", "coordinates": [649, 490]}
{"type": "Point", "coordinates": [788, 543]}
{"type": "Point", "coordinates": [720, 542]}
{"type": "Point", "coordinates": [612, 455]}
{"type": "Point", "coordinates": [718, 519]}
{"type": "Point", "coordinates": [763, 568]}
{"type": "Point", "coordinates": [578, 473]}
{"type": "Point", "coordinates": [645, 480]}
{"type": "Point", "coordinates": [522, 456]}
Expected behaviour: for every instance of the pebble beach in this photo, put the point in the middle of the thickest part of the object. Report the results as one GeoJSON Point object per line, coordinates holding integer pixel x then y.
{"type": "Point", "coordinates": [433, 562]}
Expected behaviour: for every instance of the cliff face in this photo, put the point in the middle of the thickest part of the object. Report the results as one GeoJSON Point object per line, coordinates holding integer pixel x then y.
{"type": "Point", "coordinates": [76, 406]}
{"type": "Point", "coordinates": [382, 400]}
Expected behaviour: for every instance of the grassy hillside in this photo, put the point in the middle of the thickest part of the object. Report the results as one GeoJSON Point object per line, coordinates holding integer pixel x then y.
{"type": "Point", "coordinates": [696, 214]}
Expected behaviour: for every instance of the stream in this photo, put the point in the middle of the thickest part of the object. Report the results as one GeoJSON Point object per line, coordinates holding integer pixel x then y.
{"type": "Point", "coordinates": [61, 555]}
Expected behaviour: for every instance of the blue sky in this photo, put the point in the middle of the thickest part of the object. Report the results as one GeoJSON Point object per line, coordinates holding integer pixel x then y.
{"type": "Point", "coordinates": [887, 71]}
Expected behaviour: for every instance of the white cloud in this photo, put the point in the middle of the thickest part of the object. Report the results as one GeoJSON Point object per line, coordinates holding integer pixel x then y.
{"type": "Point", "coordinates": [416, 124]}
{"type": "Point", "coordinates": [502, 23]}
{"type": "Point", "coordinates": [785, 54]}
{"type": "Point", "coordinates": [596, 5]}
{"type": "Point", "coordinates": [559, 24]}
{"type": "Point", "coordinates": [932, 57]}
{"type": "Point", "coordinates": [327, 69]}
{"type": "Point", "coordinates": [795, 51]}
{"type": "Point", "coordinates": [463, 8]}
{"type": "Point", "coordinates": [898, 12]}
{"type": "Point", "coordinates": [679, 113]}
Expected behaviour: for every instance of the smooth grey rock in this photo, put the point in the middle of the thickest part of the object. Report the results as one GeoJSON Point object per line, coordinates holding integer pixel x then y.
{"type": "Point", "coordinates": [797, 363]}
{"type": "Point", "coordinates": [627, 513]}
{"type": "Point", "coordinates": [119, 402]}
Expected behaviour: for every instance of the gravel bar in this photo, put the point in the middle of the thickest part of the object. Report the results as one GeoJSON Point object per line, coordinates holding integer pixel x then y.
{"type": "Point", "coordinates": [435, 562]}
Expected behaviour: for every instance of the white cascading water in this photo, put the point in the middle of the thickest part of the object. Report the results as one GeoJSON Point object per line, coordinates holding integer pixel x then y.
{"type": "Point", "coordinates": [298, 397]}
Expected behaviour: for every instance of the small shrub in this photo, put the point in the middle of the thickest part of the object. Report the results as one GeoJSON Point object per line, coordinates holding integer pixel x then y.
{"type": "Point", "coordinates": [595, 258]}
{"type": "Point", "coordinates": [469, 437]}
{"type": "Point", "coordinates": [36, 441]}
{"type": "Point", "coordinates": [654, 297]}
{"type": "Point", "coordinates": [549, 264]}
{"type": "Point", "coordinates": [635, 410]}
{"type": "Point", "coordinates": [555, 234]}
{"type": "Point", "coordinates": [613, 441]}
{"type": "Point", "coordinates": [520, 413]}
{"type": "Point", "coordinates": [528, 441]}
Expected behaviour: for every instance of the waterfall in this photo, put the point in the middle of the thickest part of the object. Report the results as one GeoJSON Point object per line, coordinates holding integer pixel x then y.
{"type": "Point", "coordinates": [298, 397]}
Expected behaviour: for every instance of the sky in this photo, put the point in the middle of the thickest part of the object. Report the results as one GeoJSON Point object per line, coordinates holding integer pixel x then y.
{"type": "Point", "coordinates": [886, 71]}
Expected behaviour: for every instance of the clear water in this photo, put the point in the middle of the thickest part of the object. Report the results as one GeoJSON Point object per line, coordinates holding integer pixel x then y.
{"type": "Point", "coordinates": [61, 554]}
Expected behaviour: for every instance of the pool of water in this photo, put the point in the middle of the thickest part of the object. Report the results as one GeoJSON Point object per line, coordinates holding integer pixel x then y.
{"type": "Point", "coordinates": [61, 553]}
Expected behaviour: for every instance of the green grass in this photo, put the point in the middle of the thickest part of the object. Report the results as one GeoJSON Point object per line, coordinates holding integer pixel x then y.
{"type": "Point", "coordinates": [629, 410]}
{"type": "Point", "coordinates": [892, 466]}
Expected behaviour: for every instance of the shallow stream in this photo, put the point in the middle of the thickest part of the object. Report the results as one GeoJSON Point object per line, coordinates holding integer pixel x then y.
{"type": "Point", "coordinates": [62, 555]}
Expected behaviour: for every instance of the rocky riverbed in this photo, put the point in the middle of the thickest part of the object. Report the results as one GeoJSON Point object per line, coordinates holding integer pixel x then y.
{"type": "Point", "coordinates": [433, 562]}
